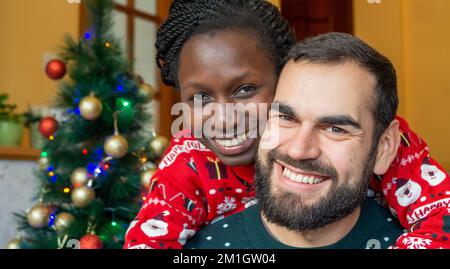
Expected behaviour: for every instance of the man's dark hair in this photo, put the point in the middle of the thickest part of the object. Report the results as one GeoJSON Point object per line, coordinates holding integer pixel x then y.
{"type": "Point", "coordinates": [188, 18]}
{"type": "Point", "coordinates": [339, 48]}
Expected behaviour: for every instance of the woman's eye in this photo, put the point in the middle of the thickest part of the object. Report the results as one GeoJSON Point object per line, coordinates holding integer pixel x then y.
{"type": "Point", "coordinates": [201, 97]}
{"type": "Point", "coordinates": [244, 91]}
{"type": "Point", "coordinates": [336, 130]}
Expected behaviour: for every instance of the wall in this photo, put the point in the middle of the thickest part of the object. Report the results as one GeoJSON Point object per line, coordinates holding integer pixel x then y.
{"type": "Point", "coordinates": [414, 34]}
{"type": "Point", "coordinates": [276, 2]}
{"type": "Point", "coordinates": [30, 29]}
{"type": "Point", "coordinates": [17, 190]}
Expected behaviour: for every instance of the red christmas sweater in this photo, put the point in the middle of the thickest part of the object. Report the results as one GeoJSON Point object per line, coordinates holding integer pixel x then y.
{"type": "Point", "coordinates": [192, 188]}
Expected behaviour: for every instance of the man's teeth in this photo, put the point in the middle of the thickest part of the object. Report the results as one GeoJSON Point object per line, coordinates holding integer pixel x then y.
{"type": "Point", "coordinates": [301, 178]}
{"type": "Point", "coordinates": [232, 142]}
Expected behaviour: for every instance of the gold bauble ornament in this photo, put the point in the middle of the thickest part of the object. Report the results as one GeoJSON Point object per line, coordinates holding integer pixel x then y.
{"type": "Point", "coordinates": [79, 177]}
{"type": "Point", "coordinates": [82, 196]}
{"type": "Point", "coordinates": [159, 145]}
{"type": "Point", "coordinates": [116, 146]}
{"type": "Point", "coordinates": [38, 216]}
{"type": "Point", "coordinates": [90, 107]}
{"type": "Point", "coordinates": [63, 221]}
{"type": "Point", "coordinates": [146, 177]}
{"type": "Point", "coordinates": [146, 92]}
{"type": "Point", "coordinates": [43, 163]}
{"type": "Point", "coordinates": [15, 243]}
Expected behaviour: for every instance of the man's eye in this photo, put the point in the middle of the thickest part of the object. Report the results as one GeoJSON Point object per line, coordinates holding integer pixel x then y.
{"type": "Point", "coordinates": [285, 117]}
{"type": "Point", "coordinates": [336, 130]}
{"type": "Point", "coordinates": [244, 91]}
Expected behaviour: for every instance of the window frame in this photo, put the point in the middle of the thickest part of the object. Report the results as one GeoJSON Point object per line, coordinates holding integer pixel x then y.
{"type": "Point", "coordinates": [165, 94]}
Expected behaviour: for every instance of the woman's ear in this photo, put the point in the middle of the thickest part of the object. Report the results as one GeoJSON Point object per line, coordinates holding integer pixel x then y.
{"type": "Point", "coordinates": [387, 148]}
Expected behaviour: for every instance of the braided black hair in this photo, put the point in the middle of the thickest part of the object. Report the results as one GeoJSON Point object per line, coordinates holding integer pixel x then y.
{"type": "Point", "coordinates": [191, 17]}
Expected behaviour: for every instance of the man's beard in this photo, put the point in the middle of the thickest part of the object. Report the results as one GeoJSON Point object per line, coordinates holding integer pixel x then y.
{"type": "Point", "coordinates": [288, 210]}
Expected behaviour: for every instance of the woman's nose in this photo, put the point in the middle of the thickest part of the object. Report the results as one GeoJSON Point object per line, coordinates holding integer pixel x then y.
{"type": "Point", "coordinates": [224, 120]}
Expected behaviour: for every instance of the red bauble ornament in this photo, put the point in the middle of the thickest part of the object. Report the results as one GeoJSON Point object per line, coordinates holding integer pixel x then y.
{"type": "Point", "coordinates": [48, 126]}
{"type": "Point", "coordinates": [90, 241]}
{"type": "Point", "coordinates": [55, 69]}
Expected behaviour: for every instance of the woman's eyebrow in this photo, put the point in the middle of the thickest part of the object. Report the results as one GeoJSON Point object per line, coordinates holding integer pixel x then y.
{"type": "Point", "coordinates": [232, 82]}
{"type": "Point", "coordinates": [195, 85]}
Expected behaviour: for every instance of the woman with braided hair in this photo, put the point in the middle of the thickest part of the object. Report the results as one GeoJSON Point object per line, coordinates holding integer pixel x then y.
{"type": "Point", "coordinates": [217, 52]}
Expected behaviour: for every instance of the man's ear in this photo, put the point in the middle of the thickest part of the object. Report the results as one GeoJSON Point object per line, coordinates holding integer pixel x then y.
{"type": "Point", "coordinates": [387, 148]}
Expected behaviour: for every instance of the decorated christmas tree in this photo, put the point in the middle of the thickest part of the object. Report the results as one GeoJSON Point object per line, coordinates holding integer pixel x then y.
{"type": "Point", "coordinates": [97, 162]}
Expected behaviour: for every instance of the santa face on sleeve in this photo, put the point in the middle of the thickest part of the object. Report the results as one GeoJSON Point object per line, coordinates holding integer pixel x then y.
{"type": "Point", "coordinates": [431, 173]}
{"type": "Point", "coordinates": [154, 228]}
{"type": "Point", "coordinates": [407, 191]}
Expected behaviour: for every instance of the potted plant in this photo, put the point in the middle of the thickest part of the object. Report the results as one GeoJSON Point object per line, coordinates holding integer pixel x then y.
{"type": "Point", "coordinates": [11, 124]}
{"type": "Point", "coordinates": [32, 118]}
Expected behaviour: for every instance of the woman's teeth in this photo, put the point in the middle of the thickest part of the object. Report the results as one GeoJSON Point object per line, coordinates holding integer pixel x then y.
{"type": "Point", "coordinates": [234, 142]}
{"type": "Point", "coordinates": [301, 178]}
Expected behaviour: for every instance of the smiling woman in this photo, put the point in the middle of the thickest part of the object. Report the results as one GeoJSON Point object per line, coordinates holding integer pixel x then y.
{"type": "Point", "coordinates": [201, 77]}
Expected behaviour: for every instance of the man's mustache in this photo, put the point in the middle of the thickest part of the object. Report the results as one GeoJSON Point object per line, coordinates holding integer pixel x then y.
{"type": "Point", "coordinates": [307, 165]}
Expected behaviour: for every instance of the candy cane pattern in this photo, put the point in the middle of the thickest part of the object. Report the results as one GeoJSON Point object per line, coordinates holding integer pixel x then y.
{"type": "Point", "coordinates": [163, 187]}
{"type": "Point", "coordinates": [180, 194]}
{"type": "Point", "coordinates": [200, 212]}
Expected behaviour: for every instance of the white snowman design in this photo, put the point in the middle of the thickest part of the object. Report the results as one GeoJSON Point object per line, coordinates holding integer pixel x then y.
{"type": "Point", "coordinates": [431, 173]}
{"type": "Point", "coordinates": [155, 227]}
{"type": "Point", "coordinates": [407, 191]}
